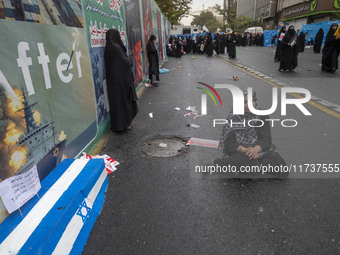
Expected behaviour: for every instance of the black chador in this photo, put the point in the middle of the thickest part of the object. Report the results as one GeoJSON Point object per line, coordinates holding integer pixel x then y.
{"type": "Point", "coordinates": [120, 82]}
{"type": "Point", "coordinates": [330, 52]}
{"type": "Point", "coordinates": [217, 43]}
{"type": "Point", "coordinates": [318, 41]}
{"type": "Point", "coordinates": [222, 44]}
{"type": "Point", "coordinates": [232, 46]}
{"type": "Point", "coordinates": [209, 45]}
{"type": "Point", "coordinates": [301, 42]}
{"type": "Point", "coordinates": [289, 51]}
{"type": "Point", "coordinates": [279, 44]}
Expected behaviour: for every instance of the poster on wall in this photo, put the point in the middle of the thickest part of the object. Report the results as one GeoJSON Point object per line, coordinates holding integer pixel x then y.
{"type": "Point", "coordinates": [154, 10]}
{"type": "Point", "coordinates": [147, 28]}
{"type": "Point", "coordinates": [160, 37]}
{"type": "Point", "coordinates": [44, 83]}
{"type": "Point", "coordinates": [99, 17]}
{"type": "Point", "coordinates": [164, 34]}
{"type": "Point", "coordinates": [134, 35]}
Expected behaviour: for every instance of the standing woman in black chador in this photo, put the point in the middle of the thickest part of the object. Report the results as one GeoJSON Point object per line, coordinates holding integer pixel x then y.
{"type": "Point", "coordinates": [217, 43]}
{"type": "Point", "coordinates": [153, 60]}
{"type": "Point", "coordinates": [289, 52]}
{"type": "Point", "coordinates": [120, 83]}
{"type": "Point", "coordinates": [209, 45]}
{"type": "Point", "coordinates": [178, 47]}
{"type": "Point", "coordinates": [222, 44]}
{"type": "Point", "coordinates": [282, 33]}
{"type": "Point", "coordinates": [301, 42]}
{"type": "Point", "coordinates": [318, 41]}
{"type": "Point", "coordinates": [232, 45]}
{"type": "Point", "coordinates": [330, 52]}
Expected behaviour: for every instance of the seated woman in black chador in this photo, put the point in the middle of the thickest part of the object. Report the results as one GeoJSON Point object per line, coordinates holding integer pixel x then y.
{"type": "Point", "coordinates": [331, 51]}
{"type": "Point", "coordinates": [244, 145]}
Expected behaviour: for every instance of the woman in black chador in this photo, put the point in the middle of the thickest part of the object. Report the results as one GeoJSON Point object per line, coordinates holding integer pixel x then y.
{"type": "Point", "coordinates": [232, 45]}
{"type": "Point", "coordinates": [153, 60]}
{"type": "Point", "coordinates": [318, 41]}
{"type": "Point", "coordinates": [282, 33]}
{"type": "Point", "coordinates": [120, 83]}
{"type": "Point", "coordinates": [222, 44]}
{"type": "Point", "coordinates": [330, 52]}
{"type": "Point", "coordinates": [178, 45]}
{"type": "Point", "coordinates": [301, 42]}
{"type": "Point", "coordinates": [289, 51]}
{"type": "Point", "coordinates": [245, 144]}
{"type": "Point", "coordinates": [209, 45]}
{"type": "Point", "coordinates": [217, 43]}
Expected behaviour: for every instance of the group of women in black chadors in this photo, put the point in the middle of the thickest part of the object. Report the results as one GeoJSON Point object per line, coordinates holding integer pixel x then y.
{"type": "Point", "coordinates": [199, 44]}
{"type": "Point", "coordinates": [290, 44]}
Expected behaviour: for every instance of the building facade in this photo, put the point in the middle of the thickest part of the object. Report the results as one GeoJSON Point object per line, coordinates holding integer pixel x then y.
{"type": "Point", "coordinates": [295, 12]}
{"type": "Point", "coordinates": [260, 10]}
{"type": "Point", "coordinates": [299, 12]}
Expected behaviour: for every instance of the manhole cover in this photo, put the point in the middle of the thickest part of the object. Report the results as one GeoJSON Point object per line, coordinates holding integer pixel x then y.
{"type": "Point", "coordinates": [163, 147]}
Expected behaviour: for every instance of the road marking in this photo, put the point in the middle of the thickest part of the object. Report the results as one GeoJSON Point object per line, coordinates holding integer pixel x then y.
{"type": "Point", "coordinates": [319, 103]}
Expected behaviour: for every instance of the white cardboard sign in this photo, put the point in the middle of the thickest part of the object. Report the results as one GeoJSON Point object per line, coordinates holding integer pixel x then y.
{"type": "Point", "coordinates": [15, 191]}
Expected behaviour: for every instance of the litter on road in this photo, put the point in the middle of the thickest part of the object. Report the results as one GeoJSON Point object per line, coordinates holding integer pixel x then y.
{"type": "Point", "coordinates": [163, 145]}
{"type": "Point", "coordinates": [164, 70]}
{"type": "Point", "coordinates": [203, 142]}
{"type": "Point", "coordinates": [151, 114]}
{"type": "Point", "coordinates": [193, 125]}
{"type": "Point", "coordinates": [192, 109]}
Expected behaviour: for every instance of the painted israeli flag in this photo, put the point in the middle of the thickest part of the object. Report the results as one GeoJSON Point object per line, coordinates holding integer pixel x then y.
{"type": "Point", "coordinates": [60, 221]}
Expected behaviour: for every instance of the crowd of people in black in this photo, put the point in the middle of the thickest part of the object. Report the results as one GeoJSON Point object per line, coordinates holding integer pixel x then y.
{"type": "Point", "coordinates": [290, 44]}
{"type": "Point", "coordinates": [120, 79]}
{"type": "Point", "coordinates": [206, 43]}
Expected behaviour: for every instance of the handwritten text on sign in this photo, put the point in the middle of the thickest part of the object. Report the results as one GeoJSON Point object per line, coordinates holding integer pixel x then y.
{"type": "Point", "coordinates": [17, 190]}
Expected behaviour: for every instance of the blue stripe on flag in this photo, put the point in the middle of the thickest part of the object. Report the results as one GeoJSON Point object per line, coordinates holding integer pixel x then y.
{"type": "Point", "coordinates": [55, 222]}
{"type": "Point", "coordinates": [80, 242]}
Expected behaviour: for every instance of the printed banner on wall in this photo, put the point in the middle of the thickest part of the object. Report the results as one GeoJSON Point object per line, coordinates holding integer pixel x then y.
{"type": "Point", "coordinates": [147, 28]}
{"type": "Point", "coordinates": [154, 10]}
{"type": "Point", "coordinates": [44, 83]}
{"type": "Point", "coordinates": [160, 37]}
{"type": "Point", "coordinates": [100, 16]}
{"type": "Point", "coordinates": [134, 35]}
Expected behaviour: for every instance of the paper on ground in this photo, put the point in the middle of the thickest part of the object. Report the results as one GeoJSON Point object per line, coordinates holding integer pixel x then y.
{"type": "Point", "coordinates": [203, 142]}
{"type": "Point", "coordinates": [194, 126]}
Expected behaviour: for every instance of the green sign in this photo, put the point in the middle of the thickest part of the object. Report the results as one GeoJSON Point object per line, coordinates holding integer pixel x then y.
{"type": "Point", "coordinates": [313, 5]}
{"type": "Point", "coordinates": [337, 4]}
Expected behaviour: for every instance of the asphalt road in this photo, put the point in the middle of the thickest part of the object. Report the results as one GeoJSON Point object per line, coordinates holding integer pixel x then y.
{"type": "Point", "coordinates": [158, 206]}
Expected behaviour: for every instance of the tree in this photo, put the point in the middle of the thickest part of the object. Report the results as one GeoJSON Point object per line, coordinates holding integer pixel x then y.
{"type": "Point", "coordinates": [174, 10]}
{"type": "Point", "coordinates": [239, 24]}
{"type": "Point", "coordinates": [206, 18]}
{"type": "Point", "coordinates": [228, 12]}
